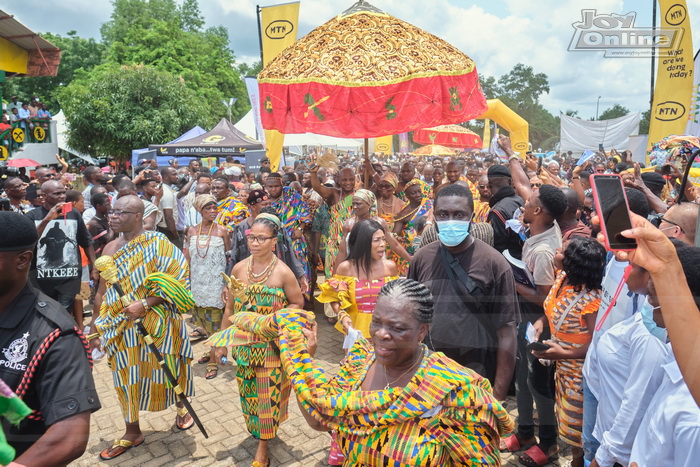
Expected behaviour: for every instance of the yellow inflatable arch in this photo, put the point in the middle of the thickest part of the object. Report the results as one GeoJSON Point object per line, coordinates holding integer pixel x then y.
{"type": "Point", "coordinates": [513, 123]}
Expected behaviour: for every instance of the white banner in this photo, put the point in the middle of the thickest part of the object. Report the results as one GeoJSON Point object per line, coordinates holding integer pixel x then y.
{"type": "Point", "coordinates": [578, 135]}
{"type": "Point", "coordinates": [251, 85]}
{"type": "Point", "coordinates": [693, 126]}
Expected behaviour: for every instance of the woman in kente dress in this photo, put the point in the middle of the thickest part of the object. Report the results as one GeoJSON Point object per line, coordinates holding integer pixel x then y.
{"type": "Point", "coordinates": [393, 402]}
{"type": "Point", "coordinates": [207, 244]}
{"type": "Point", "coordinates": [261, 285]}
{"type": "Point", "coordinates": [419, 204]}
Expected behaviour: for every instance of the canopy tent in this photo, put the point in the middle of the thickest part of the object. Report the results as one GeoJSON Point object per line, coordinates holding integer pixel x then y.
{"type": "Point", "coordinates": [578, 135]}
{"type": "Point", "coordinates": [23, 52]}
{"type": "Point", "coordinates": [61, 130]}
{"type": "Point", "coordinates": [295, 141]}
{"type": "Point", "coordinates": [163, 160]}
{"type": "Point", "coordinates": [223, 140]}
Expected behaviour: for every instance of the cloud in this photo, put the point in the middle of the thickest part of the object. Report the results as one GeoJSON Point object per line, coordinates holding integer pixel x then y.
{"type": "Point", "coordinates": [496, 34]}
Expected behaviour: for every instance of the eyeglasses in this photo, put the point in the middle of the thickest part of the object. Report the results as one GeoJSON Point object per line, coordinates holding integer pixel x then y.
{"type": "Point", "coordinates": [259, 240]}
{"type": "Point", "coordinates": [535, 185]}
{"type": "Point", "coordinates": [674, 225]}
{"type": "Point", "coordinates": [119, 213]}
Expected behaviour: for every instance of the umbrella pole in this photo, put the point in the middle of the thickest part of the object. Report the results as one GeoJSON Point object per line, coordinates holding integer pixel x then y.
{"type": "Point", "coordinates": [367, 157]}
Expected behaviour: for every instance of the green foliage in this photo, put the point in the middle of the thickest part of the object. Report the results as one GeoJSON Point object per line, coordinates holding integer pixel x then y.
{"type": "Point", "coordinates": [159, 34]}
{"type": "Point", "coordinates": [245, 70]}
{"type": "Point", "coordinates": [114, 109]}
{"type": "Point", "coordinates": [644, 122]}
{"type": "Point", "coordinates": [77, 53]}
{"type": "Point", "coordinates": [614, 112]}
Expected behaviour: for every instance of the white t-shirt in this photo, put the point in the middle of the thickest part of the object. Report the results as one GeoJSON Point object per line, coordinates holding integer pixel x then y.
{"type": "Point", "coordinates": [168, 201]}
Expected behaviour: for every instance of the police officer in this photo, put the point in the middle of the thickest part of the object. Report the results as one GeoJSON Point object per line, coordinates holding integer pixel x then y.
{"type": "Point", "coordinates": [43, 358]}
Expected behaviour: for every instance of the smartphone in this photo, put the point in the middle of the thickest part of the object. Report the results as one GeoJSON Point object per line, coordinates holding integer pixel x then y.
{"type": "Point", "coordinates": [613, 211]}
{"type": "Point", "coordinates": [600, 147]}
{"type": "Point", "coordinates": [537, 346]}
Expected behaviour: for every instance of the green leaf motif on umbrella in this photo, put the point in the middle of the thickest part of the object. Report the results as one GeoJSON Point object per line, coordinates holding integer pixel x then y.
{"type": "Point", "coordinates": [391, 109]}
{"type": "Point", "coordinates": [455, 102]}
{"type": "Point", "coordinates": [268, 105]}
{"type": "Point", "coordinates": [313, 105]}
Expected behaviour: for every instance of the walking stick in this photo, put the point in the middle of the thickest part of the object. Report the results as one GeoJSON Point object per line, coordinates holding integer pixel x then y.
{"type": "Point", "coordinates": [108, 271]}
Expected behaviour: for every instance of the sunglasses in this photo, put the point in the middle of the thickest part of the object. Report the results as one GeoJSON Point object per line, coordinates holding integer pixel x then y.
{"type": "Point", "coordinates": [673, 224]}
{"type": "Point", "coordinates": [535, 185]}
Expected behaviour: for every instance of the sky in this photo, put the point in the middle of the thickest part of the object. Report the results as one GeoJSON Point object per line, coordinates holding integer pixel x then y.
{"type": "Point", "coordinates": [497, 34]}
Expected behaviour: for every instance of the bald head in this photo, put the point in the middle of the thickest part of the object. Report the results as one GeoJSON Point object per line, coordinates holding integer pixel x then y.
{"type": "Point", "coordinates": [685, 215]}
{"type": "Point", "coordinates": [130, 203]}
{"type": "Point", "coordinates": [44, 174]}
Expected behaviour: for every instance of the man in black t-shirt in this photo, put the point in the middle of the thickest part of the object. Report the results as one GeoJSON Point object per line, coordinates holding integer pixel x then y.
{"type": "Point", "coordinates": [479, 334]}
{"type": "Point", "coordinates": [61, 391]}
{"type": "Point", "coordinates": [56, 268]}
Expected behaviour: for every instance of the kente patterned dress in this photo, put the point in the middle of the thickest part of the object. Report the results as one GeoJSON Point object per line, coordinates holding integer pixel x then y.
{"type": "Point", "coordinates": [572, 334]}
{"type": "Point", "coordinates": [340, 212]}
{"type": "Point", "coordinates": [445, 416]}
{"type": "Point", "coordinates": [357, 299]}
{"type": "Point", "coordinates": [294, 214]}
{"type": "Point", "coordinates": [481, 211]}
{"type": "Point", "coordinates": [262, 385]}
{"type": "Point", "coordinates": [206, 265]}
{"type": "Point", "coordinates": [149, 265]}
{"type": "Point", "coordinates": [408, 234]}
{"type": "Point", "coordinates": [231, 212]}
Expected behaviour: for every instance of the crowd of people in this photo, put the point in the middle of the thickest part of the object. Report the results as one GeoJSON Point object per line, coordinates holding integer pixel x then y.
{"type": "Point", "coordinates": [25, 115]}
{"type": "Point", "coordinates": [456, 282]}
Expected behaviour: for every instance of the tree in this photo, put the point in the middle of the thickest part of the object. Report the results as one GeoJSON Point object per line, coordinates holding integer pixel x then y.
{"type": "Point", "coordinates": [522, 87]}
{"type": "Point", "coordinates": [614, 112]}
{"type": "Point", "coordinates": [202, 58]}
{"type": "Point", "coordinates": [116, 108]}
{"type": "Point", "coordinates": [77, 53]}
{"type": "Point", "coordinates": [644, 122]}
{"type": "Point", "coordinates": [253, 70]}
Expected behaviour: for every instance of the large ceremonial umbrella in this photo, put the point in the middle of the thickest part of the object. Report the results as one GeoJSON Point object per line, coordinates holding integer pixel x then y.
{"type": "Point", "coordinates": [434, 150]}
{"type": "Point", "coordinates": [453, 136]}
{"type": "Point", "coordinates": [365, 73]}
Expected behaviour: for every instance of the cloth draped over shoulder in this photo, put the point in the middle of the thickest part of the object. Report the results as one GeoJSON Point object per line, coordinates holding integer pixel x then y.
{"type": "Point", "coordinates": [454, 402]}
{"type": "Point", "coordinates": [147, 266]}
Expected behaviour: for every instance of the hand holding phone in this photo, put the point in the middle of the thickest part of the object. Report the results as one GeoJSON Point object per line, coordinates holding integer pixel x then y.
{"type": "Point", "coordinates": [538, 346]}
{"type": "Point", "coordinates": [613, 211]}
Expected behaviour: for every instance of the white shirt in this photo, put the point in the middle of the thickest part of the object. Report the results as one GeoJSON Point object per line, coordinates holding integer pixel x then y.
{"type": "Point", "coordinates": [168, 201]}
{"type": "Point", "coordinates": [88, 214]}
{"type": "Point", "coordinates": [624, 308]}
{"type": "Point", "coordinates": [626, 371]}
{"type": "Point", "coordinates": [669, 435]}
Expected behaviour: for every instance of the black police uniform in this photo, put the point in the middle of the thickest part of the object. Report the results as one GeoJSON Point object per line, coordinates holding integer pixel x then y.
{"type": "Point", "coordinates": [62, 385]}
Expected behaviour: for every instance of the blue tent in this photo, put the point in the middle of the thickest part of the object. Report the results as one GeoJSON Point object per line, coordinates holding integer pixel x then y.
{"type": "Point", "coordinates": [163, 160]}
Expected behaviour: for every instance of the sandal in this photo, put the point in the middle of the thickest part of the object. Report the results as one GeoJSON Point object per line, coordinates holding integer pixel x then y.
{"type": "Point", "coordinates": [212, 371]}
{"type": "Point", "coordinates": [204, 358]}
{"type": "Point", "coordinates": [536, 457]}
{"type": "Point", "coordinates": [181, 414]}
{"type": "Point", "coordinates": [197, 335]}
{"type": "Point", "coordinates": [260, 464]}
{"type": "Point", "coordinates": [121, 446]}
{"type": "Point", "coordinates": [512, 444]}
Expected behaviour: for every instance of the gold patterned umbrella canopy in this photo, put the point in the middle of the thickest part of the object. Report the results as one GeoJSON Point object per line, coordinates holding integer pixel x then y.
{"type": "Point", "coordinates": [365, 73]}
{"type": "Point", "coordinates": [453, 136]}
{"type": "Point", "coordinates": [434, 150]}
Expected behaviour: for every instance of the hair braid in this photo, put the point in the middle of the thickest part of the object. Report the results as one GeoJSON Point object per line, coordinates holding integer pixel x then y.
{"type": "Point", "coordinates": [417, 293]}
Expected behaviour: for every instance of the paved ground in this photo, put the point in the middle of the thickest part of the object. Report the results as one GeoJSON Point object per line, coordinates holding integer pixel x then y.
{"type": "Point", "coordinates": [218, 407]}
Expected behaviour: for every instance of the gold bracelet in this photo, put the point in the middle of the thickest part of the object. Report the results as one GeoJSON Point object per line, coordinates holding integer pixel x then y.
{"type": "Point", "coordinates": [92, 336]}
{"type": "Point", "coordinates": [145, 304]}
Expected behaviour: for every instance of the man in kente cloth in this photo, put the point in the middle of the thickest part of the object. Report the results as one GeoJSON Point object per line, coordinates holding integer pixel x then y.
{"type": "Point", "coordinates": [339, 201]}
{"type": "Point", "coordinates": [154, 275]}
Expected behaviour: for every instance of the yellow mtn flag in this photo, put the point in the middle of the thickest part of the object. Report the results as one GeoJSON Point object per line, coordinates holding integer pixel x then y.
{"type": "Point", "coordinates": [486, 140]}
{"type": "Point", "coordinates": [384, 144]}
{"type": "Point", "coordinates": [674, 77]}
{"type": "Point", "coordinates": [278, 26]}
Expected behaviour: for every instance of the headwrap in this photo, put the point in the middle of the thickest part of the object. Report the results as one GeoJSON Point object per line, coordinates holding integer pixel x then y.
{"type": "Point", "coordinates": [415, 181]}
{"type": "Point", "coordinates": [391, 178]}
{"type": "Point", "coordinates": [203, 200]}
{"type": "Point", "coordinates": [270, 217]}
{"type": "Point", "coordinates": [256, 196]}
{"type": "Point", "coordinates": [369, 198]}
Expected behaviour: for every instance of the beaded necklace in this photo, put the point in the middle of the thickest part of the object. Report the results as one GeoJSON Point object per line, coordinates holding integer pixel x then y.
{"type": "Point", "coordinates": [205, 246]}
{"type": "Point", "coordinates": [263, 276]}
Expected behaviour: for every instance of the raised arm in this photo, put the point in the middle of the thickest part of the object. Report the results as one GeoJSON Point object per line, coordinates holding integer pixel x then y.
{"type": "Point", "coordinates": [329, 195]}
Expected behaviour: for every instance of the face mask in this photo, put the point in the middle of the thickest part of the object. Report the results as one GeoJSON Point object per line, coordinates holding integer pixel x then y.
{"type": "Point", "coordinates": [648, 320]}
{"type": "Point", "coordinates": [452, 233]}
